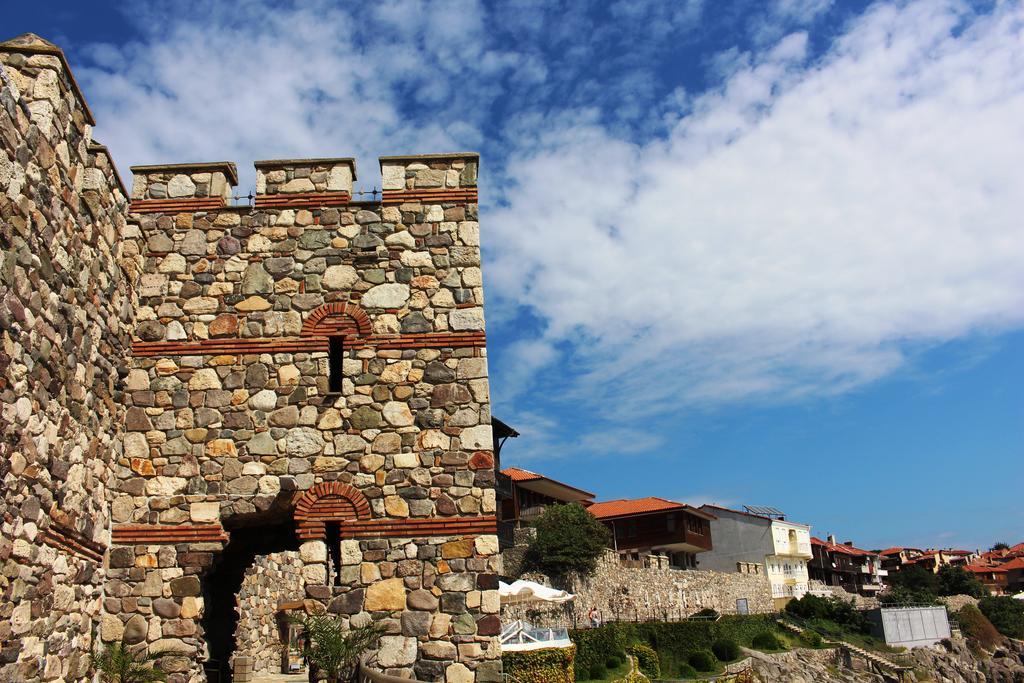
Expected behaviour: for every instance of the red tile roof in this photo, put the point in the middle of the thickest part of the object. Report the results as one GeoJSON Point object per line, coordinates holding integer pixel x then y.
{"type": "Point", "coordinates": [639, 506]}
{"type": "Point", "coordinates": [521, 475]}
{"type": "Point", "coordinates": [517, 474]}
{"type": "Point", "coordinates": [1016, 563]}
{"type": "Point", "coordinates": [896, 550]}
{"type": "Point", "coordinates": [985, 568]}
{"type": "Point", "coordinates": [840, 548]}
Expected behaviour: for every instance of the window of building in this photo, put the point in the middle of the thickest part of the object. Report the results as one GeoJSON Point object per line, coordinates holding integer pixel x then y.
{"type": "Point", "coordinates": [335, 360]}
{"type": "Point", "coordinates": [670, 522]}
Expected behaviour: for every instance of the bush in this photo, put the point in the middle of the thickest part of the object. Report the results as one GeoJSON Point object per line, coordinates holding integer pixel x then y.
{"type": "Point", "coordinates": [977, 627]}
{"type": "Point", "coordinates": [811, 638]}
{"type": "Point", "coordinates": [646, 659]}
{"type": "Point", "coordinates": [726, 649]}
{"type": "Point", "coordinates": [686, 671]}
{"type": "Point", "coordinates": [706, 612]}
{"type": "Point", "coordinates": [613, 662]}
{"type": "Point", "coordinates": [551, 665]}
{"type": "Point", "coordinates": [702, 661]}
{"type": "Point", "coordinates": [766, 641]}
{"type": "Point", "coordinates": [593, 646]}
{"type": "Point", "coordinates": [569, 540]}
{"type": "Point", "coordinates": [1005, 613]}
{"type": "Point", "coordinates": [833, 609]}
{"type": "Point", "coordinates": [598, 672]}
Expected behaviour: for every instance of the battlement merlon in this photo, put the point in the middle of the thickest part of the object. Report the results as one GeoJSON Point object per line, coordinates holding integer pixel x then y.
{"type": "Point", "coordinates": [454, 170]}
{"type": "Point", "coordinates": [41, 57]}
{"type": "Point", "coordinates": [305, 176]}
{"type": "Point", "coordinates": [207, 180]}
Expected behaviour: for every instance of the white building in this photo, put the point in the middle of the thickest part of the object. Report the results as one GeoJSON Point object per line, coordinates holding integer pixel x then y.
{"type": "Point", "coordinates": [760, 544]}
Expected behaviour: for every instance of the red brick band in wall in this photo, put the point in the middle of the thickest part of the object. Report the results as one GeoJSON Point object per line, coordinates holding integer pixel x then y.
{"type": "Point", "coordinates": [213, 347]}
{"type": "Point", "coordinates": [403, 528]}
{"type": "Point", "coordinates": [302, 200]}
{"type": "Point", "coordinates": [336, 318]}
{"type": "Point", "coordinates": [186, 205]}
{"type": "Point", "coordinates": [168, 534]}
{"type": "Point", "coordinates": [72, 542]}
{"type": "Point", "coordinates": [432, 196]}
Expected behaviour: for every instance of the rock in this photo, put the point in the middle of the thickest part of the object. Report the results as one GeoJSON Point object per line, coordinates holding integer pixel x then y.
{"type": "Point", "coordinates": [422, 600]}
{"type": "Point", "coordinates": [386, 596]}
{"type": "Point", "coordinates": [398, 414]}
{"type": "Point", "coordinates": [204, 512]}
{"type": "Point", "coordinates": [466, 319]}
{"type": "Point", "coordinates": [135, 630]}
{"type": "Point", "coordinates": [303, 442]}
{"type": "Point", "coordinates": [364, 417]}
{"type": "Point", "coordinates": [253, 303]}
{"type": "Point", "coordinates": [396, 651]}
{"type": "Point", "coordinates": [458, 673]}
{"type": "Point", "coordinates": [181, 186]}
{"type": "Point", "coordinates": [265, 400]}
{"type": "Point", "coordinates": [455, 549]}
{"type": "Point", "coordinates": [256, 280]}
{"type": "Point", "coordinates": [477, 438]}
{"type": "Point", "coordinates": [391, 295]}
{"type": "Point", "coordinates": [185, 586]}
{"type": "Point", "coordinates": [224, 325]}
{"type": "Point", "coordinates": [339, 278]}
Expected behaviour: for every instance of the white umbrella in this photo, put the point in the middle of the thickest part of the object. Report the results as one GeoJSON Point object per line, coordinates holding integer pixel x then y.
{"type": "Point", "coordinates": [522, 592]}
{"type": "Point", "coordinates": [1018, 596]}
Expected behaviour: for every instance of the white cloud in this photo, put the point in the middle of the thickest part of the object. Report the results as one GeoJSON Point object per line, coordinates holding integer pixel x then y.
{"type": "Point", "coordinates": [800, 231]}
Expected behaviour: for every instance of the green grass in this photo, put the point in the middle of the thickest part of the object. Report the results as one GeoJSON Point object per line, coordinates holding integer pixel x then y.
{"type": "Point", "coordinates": [830, 630]}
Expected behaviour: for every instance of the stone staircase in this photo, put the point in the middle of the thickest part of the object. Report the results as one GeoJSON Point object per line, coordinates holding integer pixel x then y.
{"type": "Point", "coordinates": [871, 657]}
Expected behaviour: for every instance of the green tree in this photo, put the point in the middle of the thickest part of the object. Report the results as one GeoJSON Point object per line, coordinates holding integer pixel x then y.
{"type": "Point", "coordinates": [1005, 613]}
{"type": "Point", "coordinates": [569, 540]}
{"type": "Point", "coordinates": [916, 579]}
{"type": "Point", "coordinates": [118, 664]}
{"type": "Point", "coordinates": [1000, 546]}
{"type": "Point", "coordinates": [958, 581]}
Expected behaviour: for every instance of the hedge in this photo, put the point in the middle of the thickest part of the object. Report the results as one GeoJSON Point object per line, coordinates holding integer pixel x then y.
{"type": "Point", "coordinates": [550, 665]}
{"type": "Point", "coordinates": [673, 641]}
{"type": "Point", "coordinates": [646, 659]}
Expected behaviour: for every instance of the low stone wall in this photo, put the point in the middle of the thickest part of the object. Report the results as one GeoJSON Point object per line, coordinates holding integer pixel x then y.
{"type": "Point", "coordinates": [954, 603]}
{"type": "Point", "coordinates": [648, 593]}
{"type": "Point", "coordinates": [859, 601]}
{"type": "Point", "coordinates": [271, 579]}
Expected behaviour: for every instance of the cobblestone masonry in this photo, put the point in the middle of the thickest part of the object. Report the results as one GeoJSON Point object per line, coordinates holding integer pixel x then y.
{"type": "Point", "coordinates": [237, 407]}
{"type": "Point", "coordinates": [66, 314]}
{"type": "Point", "coordinates": [648, 593]}
{"type": "Point", "coordinates": [271, 581]}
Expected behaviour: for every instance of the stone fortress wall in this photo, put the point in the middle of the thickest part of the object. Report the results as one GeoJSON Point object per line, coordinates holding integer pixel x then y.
{"type": "Point", "coordinates": [272, 581]}
{"type": "Point", "coordinates": [307, 374]}
{"type": "Point", "coordinates": [651, 593]}
{"type": "Point", "coordinates": [67, 260]}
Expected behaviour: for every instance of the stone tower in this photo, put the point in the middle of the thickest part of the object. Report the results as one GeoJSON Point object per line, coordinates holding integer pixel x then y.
{"type": "Point", "coordinates": [306, 375]}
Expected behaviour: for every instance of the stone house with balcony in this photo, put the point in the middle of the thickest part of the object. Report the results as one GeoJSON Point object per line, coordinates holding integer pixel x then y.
{"type": "Point", "coordinates": [841, 564]}
{"type": "Point", "coordinates": [752, 543]}
{"type": "Point", "coordinates": [655, 532]}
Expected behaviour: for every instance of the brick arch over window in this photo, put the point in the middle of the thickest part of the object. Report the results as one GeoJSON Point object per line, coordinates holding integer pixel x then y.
{"type": "Point", "coordinates": [330, 501]}
{"type": "Point", "coordinates": [331, 320]}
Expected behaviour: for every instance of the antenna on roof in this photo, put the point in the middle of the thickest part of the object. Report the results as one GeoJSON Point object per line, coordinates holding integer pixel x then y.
{"type": "Point", "coordinates": [765, 511]}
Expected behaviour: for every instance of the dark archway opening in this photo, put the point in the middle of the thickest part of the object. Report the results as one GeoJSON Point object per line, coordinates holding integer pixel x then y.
{"type": "Point", "coordinates": [251, 536]}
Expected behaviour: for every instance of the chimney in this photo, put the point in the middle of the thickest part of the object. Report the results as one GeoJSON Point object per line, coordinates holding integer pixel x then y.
{"type": "Point", "coordinates": [848, 544]}
{"type": "Point", "coordinates": [831, 538]}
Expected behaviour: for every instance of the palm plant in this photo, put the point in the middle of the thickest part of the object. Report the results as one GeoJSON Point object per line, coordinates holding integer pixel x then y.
{"type": "Point", "coordinates": [118, 664]}
{"type": "Point", "coordinates": [332, 650]}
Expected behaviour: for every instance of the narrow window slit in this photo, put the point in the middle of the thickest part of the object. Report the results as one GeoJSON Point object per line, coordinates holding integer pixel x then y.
{"type": "Point", "coordinates": [335, 361]}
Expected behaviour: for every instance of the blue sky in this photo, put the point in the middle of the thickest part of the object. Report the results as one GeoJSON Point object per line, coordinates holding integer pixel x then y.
{"type": "Point", "coordinates": [746, 252]}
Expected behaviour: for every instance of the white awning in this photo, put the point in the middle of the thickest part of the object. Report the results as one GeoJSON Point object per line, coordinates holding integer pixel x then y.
{"type": "Point", "coordinates": [521, 592]}
{"type": "Point", "coordinates": [1018, 596]}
